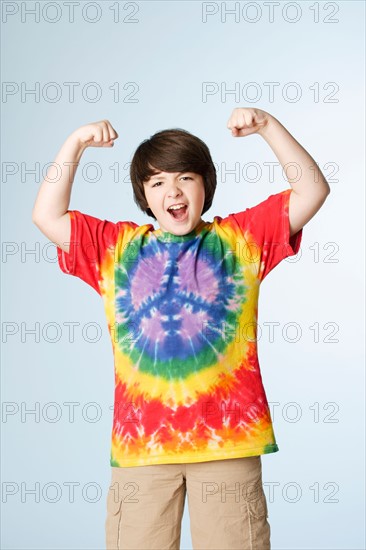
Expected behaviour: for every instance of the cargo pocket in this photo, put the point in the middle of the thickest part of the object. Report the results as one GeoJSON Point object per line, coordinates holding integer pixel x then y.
{"type": "Point", "coordinates": [113, 521]}
{"type": "Point", "coordinates": [257, 526]}
{"type": "Point", "coordinates": [258, 507]}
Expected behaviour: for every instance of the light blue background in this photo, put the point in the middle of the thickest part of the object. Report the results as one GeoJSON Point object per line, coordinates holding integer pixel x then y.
{"type": "Point", "coordinates": [169, 52]}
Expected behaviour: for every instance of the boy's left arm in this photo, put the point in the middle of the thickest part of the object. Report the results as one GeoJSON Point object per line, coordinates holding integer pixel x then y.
{"type": "Point", "coordinates": [309, 186]}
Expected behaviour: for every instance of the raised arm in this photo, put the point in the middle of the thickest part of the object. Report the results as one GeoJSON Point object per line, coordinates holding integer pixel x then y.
{"type": "Point", "coordinates": [309, 186]}
{"type": "Point", "coordinates": [50, 210]}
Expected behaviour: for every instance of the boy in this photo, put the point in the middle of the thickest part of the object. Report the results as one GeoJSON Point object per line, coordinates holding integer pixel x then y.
{"type": "Point", "coordinates": [190, 412]}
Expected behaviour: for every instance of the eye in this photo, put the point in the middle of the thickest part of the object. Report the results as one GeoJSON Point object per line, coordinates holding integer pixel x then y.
{"type": "Point", "coordinates": [186, 178]}
{"type": "Point", "coordinates": [157, 183]}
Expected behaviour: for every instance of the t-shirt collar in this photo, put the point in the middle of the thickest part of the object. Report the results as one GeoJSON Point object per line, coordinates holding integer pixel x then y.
{"type": "Point", "coordinates": [165, 236]}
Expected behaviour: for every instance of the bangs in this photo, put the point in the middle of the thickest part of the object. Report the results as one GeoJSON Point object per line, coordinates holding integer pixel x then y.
{"type": "Point", "coordinates": [169, 157]}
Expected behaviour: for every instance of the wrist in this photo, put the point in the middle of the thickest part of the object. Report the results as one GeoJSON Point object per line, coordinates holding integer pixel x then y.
{"type": "Point", "coordinates": [270, 122]}
{"type": "Point", "coordinates": [75, 145]}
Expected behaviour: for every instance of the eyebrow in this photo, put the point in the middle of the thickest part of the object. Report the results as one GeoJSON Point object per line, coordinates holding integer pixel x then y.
{"type": "Point", "coordinates": [157, 175]}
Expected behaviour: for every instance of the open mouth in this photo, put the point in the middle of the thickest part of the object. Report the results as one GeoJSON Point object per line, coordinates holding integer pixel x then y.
{"type": "Point", "coordinates": [178, 213]}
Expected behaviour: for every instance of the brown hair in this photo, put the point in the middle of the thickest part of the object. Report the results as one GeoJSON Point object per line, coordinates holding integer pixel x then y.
{"type": "Point", "coordinates": [173, 150]}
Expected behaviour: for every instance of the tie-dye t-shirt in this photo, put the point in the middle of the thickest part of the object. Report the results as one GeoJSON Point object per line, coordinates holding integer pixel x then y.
{"type": "Point", "coordinates": [182, 314]}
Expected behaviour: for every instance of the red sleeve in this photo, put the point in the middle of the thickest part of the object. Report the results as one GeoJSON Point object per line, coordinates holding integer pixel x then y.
{"type": "Point", "coordinates": [267, 226]}
{"type": "Point", "coordinates": [90, 238]}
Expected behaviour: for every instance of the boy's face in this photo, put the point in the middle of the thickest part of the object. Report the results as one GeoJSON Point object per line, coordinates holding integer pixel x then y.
{"type": "Point", "coordinates": [165, 189]}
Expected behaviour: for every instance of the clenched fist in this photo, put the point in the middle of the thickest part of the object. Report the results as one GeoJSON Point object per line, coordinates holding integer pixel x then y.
{"type": "Point", "coordinates": [96, 134]}
{"type": "Point", "coordinates": [243, 121]}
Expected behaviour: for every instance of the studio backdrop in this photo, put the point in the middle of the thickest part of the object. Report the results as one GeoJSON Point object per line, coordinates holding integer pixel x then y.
{"type": "Point", "coordinates": [149, 66]}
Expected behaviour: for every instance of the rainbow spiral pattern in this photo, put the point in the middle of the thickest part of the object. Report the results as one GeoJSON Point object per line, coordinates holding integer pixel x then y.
{"type": "Point", "coordinates": [182, 313]}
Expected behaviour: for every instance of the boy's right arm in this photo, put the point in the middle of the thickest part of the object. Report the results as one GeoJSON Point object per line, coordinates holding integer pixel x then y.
{"type": "Point", "coordinates": [50, 211]}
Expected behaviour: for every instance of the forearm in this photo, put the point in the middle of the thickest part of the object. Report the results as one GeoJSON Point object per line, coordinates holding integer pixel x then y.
{"type": "Point", "coordinates": [302, 172]}
{"type": "Point", "coordinates": [53, 198]}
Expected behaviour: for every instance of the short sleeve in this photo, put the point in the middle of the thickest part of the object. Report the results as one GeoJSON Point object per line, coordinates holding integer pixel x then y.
{"type": "Point", "coordinates": [91, 239]}
{"type": "Point", "coordinates": [267, 227]}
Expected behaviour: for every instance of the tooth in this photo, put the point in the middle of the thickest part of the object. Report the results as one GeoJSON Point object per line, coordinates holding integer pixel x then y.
{"type": "Point", "coordinates": [177, 207]}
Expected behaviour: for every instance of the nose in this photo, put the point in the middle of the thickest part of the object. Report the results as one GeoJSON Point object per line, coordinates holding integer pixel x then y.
{"type": "Point", "coordinates": [174, 190]}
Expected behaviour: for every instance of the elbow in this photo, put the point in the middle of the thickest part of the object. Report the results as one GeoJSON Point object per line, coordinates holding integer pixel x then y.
{"type": "Point", "coordinates": [324, 192]}
{"type": "Point", "coordinates": [323, 196]}
{"type": "Point", "coordinates": [327, 188]}
{"type": "Point", "coordinates": [34, 218]}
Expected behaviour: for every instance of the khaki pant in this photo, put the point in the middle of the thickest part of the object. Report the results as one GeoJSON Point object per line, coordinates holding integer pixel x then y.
{"type": "Point", "coordinates": [226, 501]}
